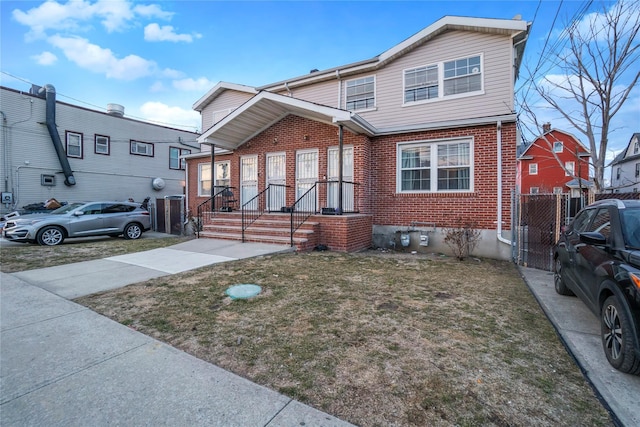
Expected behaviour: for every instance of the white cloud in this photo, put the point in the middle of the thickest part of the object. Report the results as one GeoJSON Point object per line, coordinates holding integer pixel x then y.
{"type": "Point", "coordinates": [157, 87]}
{"type": "Point", "coordinates": [170, 73]}
{"type": "Point", "coordinates": [45, 58]}
{"type": "Point", "coordinates": [173, 116]}
{"type": "Point", "coordinates": [201, 84]}
{"type": "Point", "coordinates": [94, 58]}
{"type": "Point", "coordinates": [115, 15]}
{"type": "Point", "coordinates": [156, 33]}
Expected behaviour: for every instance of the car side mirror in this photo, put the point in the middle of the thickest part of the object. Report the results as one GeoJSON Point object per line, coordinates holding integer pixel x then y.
{"type": "Point", "coordinates": [593, 238]}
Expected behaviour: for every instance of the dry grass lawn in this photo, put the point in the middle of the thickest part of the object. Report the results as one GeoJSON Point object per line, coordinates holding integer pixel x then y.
{"type": "Point", "coordinates": [374, 338]}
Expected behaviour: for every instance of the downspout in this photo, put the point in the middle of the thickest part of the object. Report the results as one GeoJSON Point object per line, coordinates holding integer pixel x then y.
{"type": "Point", "coordinates": [5, 151]}
{"type": "Point", "coordinates": [499, 150]}
{"type": "Point", "coordinates": [213, 168]}
{"type": "Point", "coordinates": [50, 97]}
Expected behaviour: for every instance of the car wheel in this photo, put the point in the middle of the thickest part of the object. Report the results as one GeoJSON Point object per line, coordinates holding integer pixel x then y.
{"type": "Point", "coordinates": [132, 231]}
{"type": "Point", "coordinates": [616, 336]}
{"type": "Point", "coordinates": [561, 287]}
{"type": "Point", "coordinates": [50, 236]}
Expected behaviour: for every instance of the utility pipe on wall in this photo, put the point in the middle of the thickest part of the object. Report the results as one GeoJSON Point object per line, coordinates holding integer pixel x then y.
{"type": "Point", "coordinates": [499, 151]}
{"type": "Point", "coordinates": [50, 96]}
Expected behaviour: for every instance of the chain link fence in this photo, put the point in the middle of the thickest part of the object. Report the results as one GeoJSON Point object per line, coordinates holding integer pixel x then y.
{"type": "Point", "coordinates": [538, 221]}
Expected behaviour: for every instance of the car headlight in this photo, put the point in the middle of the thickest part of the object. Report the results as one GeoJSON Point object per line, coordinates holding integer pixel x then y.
{"type": "Point", "coordinates": [635, 279]}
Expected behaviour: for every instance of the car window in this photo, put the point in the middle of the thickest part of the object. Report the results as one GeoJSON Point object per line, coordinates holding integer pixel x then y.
{"type": "Point", "coordinates": [112, 208]}
{"type": "Point", "coordinates": [582, 220]}
{"type": "Point", "coordinates": [601, 223]}
{"type": "Point", "coordinates": [92, 209]}
{"type": "Point", "coordinates": [631, 227]}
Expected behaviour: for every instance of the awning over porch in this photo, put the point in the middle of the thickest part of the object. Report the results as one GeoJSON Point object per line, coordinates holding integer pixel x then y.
{"type": "Point", "coordinates": [267, 108]}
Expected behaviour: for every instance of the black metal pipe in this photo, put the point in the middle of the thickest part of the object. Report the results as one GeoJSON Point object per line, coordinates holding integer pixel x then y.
{"type": "Point", "coordinates": [50, 96]}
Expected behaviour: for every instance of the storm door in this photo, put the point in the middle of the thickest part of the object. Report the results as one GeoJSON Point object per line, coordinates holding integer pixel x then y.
{"type": "Point", "coordinates": [347, 178]}
{"type": "Point", "coordinates": [306, 177]}
{"type": "Point", "coordinates": [276, 181]}
{"type": "Point", "coordinates": [249, 181]}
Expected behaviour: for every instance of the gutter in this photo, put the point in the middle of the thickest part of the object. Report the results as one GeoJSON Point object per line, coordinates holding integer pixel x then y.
{"type": "Point", "coordinates": [50, 96]}
{"type": "Point", "coordinates": [499, 150]}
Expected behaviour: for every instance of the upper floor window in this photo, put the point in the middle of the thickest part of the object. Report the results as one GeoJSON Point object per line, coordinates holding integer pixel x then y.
{"type": "Point", "coordinates": [141, 148]}
{"type": "Point", "coordinates": [462, 76]}
{"type": "Point", "coordinates": [175, 162]}
{"type": "Point", "coordinates": [557, 147]}
{"type": "Point", "coordinates": [435, 166]}
{"type": "Point", "coordinates": [533, 169]}
{"type": "Point", "coordinates": [102, 144]}
{"type": "Point", "coordinates": [570, 168]}
{"type": "Point", "coordinates": [361, 93]}
{"type": "Point", "coordinates": [74, 144]}
{"type": "Point", "coordinates": [636, 147]}
{"type": "Point", "coordinates": [421, 83]}
{"type": "Point", "coordinates": [637, 170]}
{"type": "Point", "coordinates": [618, 171]}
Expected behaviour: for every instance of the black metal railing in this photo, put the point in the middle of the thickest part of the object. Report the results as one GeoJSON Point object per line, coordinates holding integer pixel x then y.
{"type": "Point", "coordinates": [303, 208]}
{"type": "Point", "coordinates": [223, 198]}
{"type": "Point", "coordinates": [270, 199]}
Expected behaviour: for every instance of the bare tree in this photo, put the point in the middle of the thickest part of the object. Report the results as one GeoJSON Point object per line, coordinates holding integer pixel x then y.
{"type": "Point", "coordinates": [602, 51]}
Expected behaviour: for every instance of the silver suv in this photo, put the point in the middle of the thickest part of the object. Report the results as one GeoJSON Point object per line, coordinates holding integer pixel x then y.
{"type": "Point", "coordinates": [79, 220]}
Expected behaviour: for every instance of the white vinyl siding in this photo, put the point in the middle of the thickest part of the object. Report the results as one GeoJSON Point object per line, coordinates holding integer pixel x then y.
{"type": "Point", "coordinates": [435, 166]}
{"type": "Point", "coordinates": [227, 101]}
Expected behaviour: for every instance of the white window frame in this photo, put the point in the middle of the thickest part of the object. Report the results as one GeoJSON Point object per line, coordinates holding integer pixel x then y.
{"type": "Point", "coordinates": [182, 163]}
{"type": "Point", "coordinates": [558, 147]}
{"type": "Point", "coordinates": [441, 80]}
{"type": "Point", "coordinates": [425, 85]}
{"type": "Point", "coordinates": [570, 168]}
{"type": "Point", "coordinates": [358, 83]}
{"type": "Point", "coordinates": [74, 141]}
{"type": "Point", "coordinates": [136, 146]}
{"type": "Point", "coordinates": [557, 190]}
{"type": "Point", "coordinates": [434, 167]}
{"type": "Point", "coordinates": [534, 190]}
{"type": "Point", "coordinates": [106, 144]}
{"type": "Point", "coordinates": [533, 169]}
{"type": "Point", "coordinates": [637, 170]}
{"type": "Point", "coordinates": [636, 147]}
{"type": "Point", "coordinates": [219, 181]}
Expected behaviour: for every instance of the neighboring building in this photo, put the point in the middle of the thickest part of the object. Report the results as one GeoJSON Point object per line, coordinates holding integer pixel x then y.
{"type": "Point", "coordinates": [90, 155]}
{"type": "Point", "coordinates": [556, 162]}
{"type": "Point", "coordinates": [427, 131]}
{"type": "Point", "coordinates": [625, 168]}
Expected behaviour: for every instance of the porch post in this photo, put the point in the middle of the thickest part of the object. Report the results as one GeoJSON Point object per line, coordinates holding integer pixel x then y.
{"type": "Point", "coordinates": [340, 177]}
{"type": "Point", "coordinates": [213, 190]}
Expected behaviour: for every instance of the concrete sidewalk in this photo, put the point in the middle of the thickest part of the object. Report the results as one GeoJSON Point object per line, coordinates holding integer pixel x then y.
{"type": "Point", "coordinates": [579, 329]}
{"type": "Point", "coordinates": [62, 364]}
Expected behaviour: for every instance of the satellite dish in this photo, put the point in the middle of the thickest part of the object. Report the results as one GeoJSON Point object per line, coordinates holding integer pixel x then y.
{"type": "Point", "coordinates": [157, 184]}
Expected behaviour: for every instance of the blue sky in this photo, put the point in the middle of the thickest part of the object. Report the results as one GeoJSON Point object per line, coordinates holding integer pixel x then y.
{"type": "Point", "coordinates": [157, 58]}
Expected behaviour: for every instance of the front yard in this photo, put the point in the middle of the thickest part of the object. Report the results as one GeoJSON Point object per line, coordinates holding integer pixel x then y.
{"type": "Point", "coordinates": [374, 338]}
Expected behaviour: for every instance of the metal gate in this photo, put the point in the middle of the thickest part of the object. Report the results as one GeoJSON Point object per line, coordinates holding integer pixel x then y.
{"type": "Point", "coordinates": [539, 221]}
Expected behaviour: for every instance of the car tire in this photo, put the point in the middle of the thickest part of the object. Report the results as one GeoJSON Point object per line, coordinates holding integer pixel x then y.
{"type": "Point", "coordinates": [50, 236]}
{"type": "Point", "coordinates": [617, 340]}
{"type": "Point", "coordinates": [132, 231]}
{"type": "Point", "coordinates": [561, 286]}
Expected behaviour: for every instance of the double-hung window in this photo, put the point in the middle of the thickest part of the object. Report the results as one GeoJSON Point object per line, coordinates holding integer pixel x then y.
{"type": "Point", "coordinates": [570, 168]}
{"type": "Point", "coordinates": [175, 162]}
{"type": "Point", "coordinates": [637, 170]}
{"type": "Point", "coordinates": [421, 83]}
{"type": "Point", "coordinates": [462, 76]}
{"type": "Point", "coordinates": [74, 144]}
{"type": "Point", "coordinates": [222, 177]}
{"type": "Point", "coordinates": [435, 166]}
{"type": "Point", "coordinates": [141, 148]}
{"type": "Point", "coordinates": [533, 169]}
{"type": "Point", "coordinates": [101, 144]}
{"type": "Point", "coordinates": [361, 93]}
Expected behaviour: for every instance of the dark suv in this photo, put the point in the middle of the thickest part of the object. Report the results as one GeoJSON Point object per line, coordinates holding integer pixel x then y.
{"type": "Point", "coordinates": [598, 259]}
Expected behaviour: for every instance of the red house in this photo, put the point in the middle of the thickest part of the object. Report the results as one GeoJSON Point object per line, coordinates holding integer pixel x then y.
{"type": "Point", "coordinates": [556, 162]}
{"type": "Point", "coordinates": [388, 151]}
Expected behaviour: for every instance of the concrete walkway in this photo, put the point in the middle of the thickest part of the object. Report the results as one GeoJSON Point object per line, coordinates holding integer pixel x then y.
{"type": "Point", "coordinates": [579, 329]}
{"type": "Point", "coordinates": [62, 364]}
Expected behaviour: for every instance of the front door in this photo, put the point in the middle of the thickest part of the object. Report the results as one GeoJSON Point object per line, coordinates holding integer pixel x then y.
{"type": "Point", "coordinates": [306, 177]}
{"type": "Point", "coordinates": [249, 181]}
{"type": "Point", "coordinates": [276, 181]}
{"type": "Point", "coordinates": [347, 178]}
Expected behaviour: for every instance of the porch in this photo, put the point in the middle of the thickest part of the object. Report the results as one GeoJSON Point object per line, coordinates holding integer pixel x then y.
{"type": "Point", "coordinates": [316, 219]}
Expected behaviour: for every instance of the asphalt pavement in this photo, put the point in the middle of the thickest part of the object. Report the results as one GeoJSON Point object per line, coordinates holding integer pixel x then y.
{"type": "Point", "coordinates": [62, 364]}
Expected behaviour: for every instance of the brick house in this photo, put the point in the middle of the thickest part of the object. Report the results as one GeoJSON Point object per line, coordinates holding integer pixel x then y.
{"type": "Point", "coordinates": [387, 151]}
{"type": "Point", "coordinates": [555, 162]}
